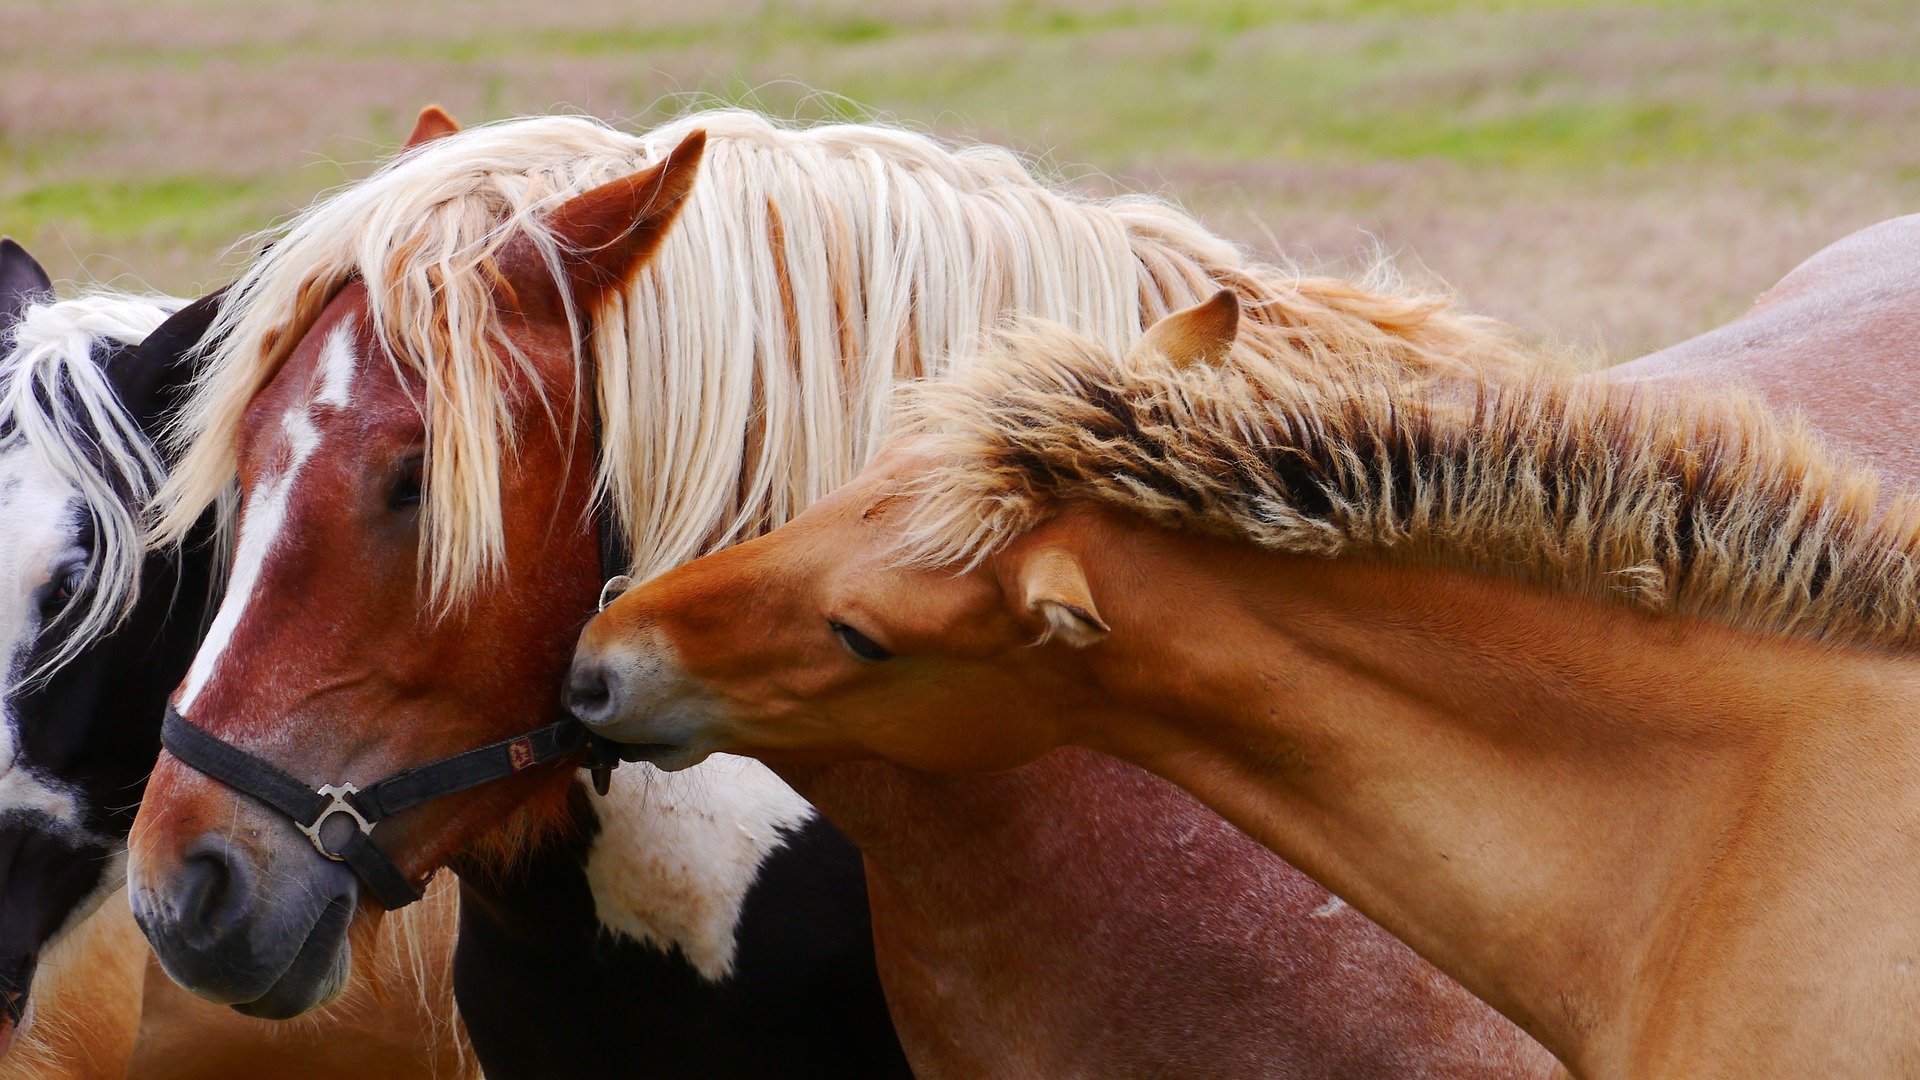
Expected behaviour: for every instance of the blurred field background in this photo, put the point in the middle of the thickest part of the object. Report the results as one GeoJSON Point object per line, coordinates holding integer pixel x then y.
{"type": "Point", "coordinates": [1604, 172]}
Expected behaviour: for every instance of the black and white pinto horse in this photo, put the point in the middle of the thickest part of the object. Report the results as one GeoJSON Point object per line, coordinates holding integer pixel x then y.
{"type": "Point", "coordinates": [94, 631]}
{"type": "Point", "coordinates": [687, 926]}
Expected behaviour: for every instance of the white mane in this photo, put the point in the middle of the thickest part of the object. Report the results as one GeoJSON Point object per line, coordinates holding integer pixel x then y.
{"type": "Point", "coordinates": [56, 402]}
{"type": "Point", "coordinates": [745, 371]}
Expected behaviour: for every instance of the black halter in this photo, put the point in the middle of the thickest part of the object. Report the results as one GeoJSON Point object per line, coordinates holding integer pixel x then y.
{"type": "Point", "coordinates": [311, 808]}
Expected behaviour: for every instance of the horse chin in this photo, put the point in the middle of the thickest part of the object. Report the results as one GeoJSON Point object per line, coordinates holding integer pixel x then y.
{"type": "Point", "coordinates": [318, 973]}
{"type": "Point", "coordinates": [671, 739]}
{"type": "Point", "coordinates": [667, 757]}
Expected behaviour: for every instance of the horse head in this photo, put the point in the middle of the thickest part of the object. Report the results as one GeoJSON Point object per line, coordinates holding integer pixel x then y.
{"type": "Point", "coordinates": [94, 632]}
{"type": "Point", "coordinates": [342, 654]}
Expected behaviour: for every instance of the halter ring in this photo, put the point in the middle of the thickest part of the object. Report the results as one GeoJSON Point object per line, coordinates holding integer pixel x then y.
{"type": "Point", "coordinates": [611, 591]}
{"type": "Point", "coordinates": [337, 804]}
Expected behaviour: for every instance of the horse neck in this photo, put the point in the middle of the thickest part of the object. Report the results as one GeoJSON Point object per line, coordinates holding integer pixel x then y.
{"type": "Point", "coordinates": [1614, 827]}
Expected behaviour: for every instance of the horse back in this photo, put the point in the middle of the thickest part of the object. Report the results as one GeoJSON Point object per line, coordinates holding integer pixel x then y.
{"type": "Point", "coordinates": [1838, 339]}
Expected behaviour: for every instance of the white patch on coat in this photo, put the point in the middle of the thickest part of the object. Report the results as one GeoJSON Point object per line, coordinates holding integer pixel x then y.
{"type": "Point", "coordinates": [265, 513]}
{"type": "Point", "coordinates": [677, 853]}
{"type": "Point", "coordinates": [1328, 910]}
{"type": "Point", "coordinates": [38, 533]}
{"type": "Point", "coordinates": [337, 365]}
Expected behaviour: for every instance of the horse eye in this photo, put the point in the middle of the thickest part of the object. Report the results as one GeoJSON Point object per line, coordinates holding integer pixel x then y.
{"type": "Point", "coordinates": [61, 593]}
{"type": "Point", "coordinates": [406, 490]}
{"type": "Point", "coordinates": [858, 643]}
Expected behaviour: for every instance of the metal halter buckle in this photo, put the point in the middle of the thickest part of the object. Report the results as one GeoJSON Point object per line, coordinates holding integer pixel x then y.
{"type": "Point", "coordinates": [337, 804]}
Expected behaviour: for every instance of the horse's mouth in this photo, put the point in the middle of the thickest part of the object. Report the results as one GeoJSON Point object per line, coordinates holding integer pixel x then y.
{"type": "Point", "coordinates": [669, 757]}
{"type": "Point", "coordinates": [317, 972]}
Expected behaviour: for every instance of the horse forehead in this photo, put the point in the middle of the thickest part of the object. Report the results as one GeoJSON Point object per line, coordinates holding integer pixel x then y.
{"type": "Point", "coordinates": [38, 516]}
{"type": "Point", "coordinates": [323, 389]}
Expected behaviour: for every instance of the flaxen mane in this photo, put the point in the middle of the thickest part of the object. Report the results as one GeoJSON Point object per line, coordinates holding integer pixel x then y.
{"type": "Point", "coordinates": [750, 362]}
{"type": "Point", "coordinates": [1709, 508]}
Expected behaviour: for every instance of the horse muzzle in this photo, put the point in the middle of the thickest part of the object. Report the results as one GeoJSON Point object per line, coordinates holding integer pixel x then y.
{"type": "Point", "coordinates": [261, 927]}
{"type": "Point", "coordinates": [635, 694]}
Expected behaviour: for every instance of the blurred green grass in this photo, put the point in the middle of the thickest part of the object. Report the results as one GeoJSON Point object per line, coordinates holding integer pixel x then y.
{"type": "Point", "coordinates": [1610, 171]}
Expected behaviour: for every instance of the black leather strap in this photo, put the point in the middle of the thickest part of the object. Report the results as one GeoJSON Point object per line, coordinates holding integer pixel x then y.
{"type": "Point", "coordinates": [310, 807]}
{"type": "Point", "coordinates": [377, 872]}
{"type": "Point", "coordinates": [469, 769]}
{"type": "Point", "coordinates": [239, 770]}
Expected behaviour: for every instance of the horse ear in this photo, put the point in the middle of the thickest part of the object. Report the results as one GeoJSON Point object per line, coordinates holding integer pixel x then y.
{"type": "Point", "coordinates": [605, 234]}
{"type": "Point", "coordinates": [434, 123]}
{"type": "Point", "coordinates": [22, 281]}
{"type": "Point", "coordinates": [1053, 588]}
{"type": "Point", "coordinates": [1201, 334]}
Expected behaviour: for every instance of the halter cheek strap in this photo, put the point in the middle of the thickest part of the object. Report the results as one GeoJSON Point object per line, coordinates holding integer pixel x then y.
{"type": "Point", "coordinates": [311, 808]}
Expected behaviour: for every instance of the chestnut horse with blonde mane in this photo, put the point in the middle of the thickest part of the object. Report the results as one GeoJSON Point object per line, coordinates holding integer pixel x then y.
{"type": "Point", "coordinates": [1599, 695]}
{"type": "Point", "coordinates": [94, 634]}
{"type": "Point", "coordinates": [406, 407]}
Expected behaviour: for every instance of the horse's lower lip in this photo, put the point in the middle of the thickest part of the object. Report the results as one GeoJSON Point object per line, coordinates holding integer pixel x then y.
{"type": "Point", "coordinates": [304, 984]}
{"type": "Point", "coordinates": [648, 751]}
{"type": "Point", "coordinates": [670, 757]}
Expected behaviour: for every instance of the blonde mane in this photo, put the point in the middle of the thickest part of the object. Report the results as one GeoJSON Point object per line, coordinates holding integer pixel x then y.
{"type": "Point", "coordinates": [1714, 508]}
{"type": "Point", "coordinates": [751, 361]}
{"type": "Point", "coordinates": [56, 401]}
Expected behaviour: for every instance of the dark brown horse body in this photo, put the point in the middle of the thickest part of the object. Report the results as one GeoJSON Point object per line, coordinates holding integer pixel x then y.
{"type": "Point", "coordinates": [1081, 917]}
{"type": "Point", "coordinates": [1854, 306]}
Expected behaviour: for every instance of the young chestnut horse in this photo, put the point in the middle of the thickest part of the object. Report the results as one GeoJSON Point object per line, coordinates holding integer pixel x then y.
{"type": "Point", "coordinates": [1601, 699]}
{"type": "Point", "coordinates": [400, 403]}
{"type": "Point", "coordinates": [96, 635]}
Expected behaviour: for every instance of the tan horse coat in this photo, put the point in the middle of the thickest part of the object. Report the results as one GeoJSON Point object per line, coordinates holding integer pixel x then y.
{"type": "Point", "coordinates": [105, 1011]}
{"type": "Point", "coordinates": [1666, 844]}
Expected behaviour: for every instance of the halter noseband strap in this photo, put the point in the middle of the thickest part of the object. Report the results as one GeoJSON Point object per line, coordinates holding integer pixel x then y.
{"type": "Point", "coordinates": [312, 807]}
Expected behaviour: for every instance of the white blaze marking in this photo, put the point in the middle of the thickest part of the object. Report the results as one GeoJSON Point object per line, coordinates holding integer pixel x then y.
{"type": "Point", "coordinates": [678, 851]}
{"type": "Point", "coordinates": [265, 512]}
{"type": "Point", "coordinates": [337, 365]}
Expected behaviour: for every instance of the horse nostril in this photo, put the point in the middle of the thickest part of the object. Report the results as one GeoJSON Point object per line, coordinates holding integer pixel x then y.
{"type": "Point", "coordinates": [216, 886]}
{"type": "Point", "coordinates": [590, 692]}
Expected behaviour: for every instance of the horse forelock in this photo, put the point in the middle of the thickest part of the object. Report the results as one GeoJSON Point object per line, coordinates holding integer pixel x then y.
{"type": "Point", "coordinates": [751, 359]}
{"type": "Point", "coordinates": [59, 410]}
